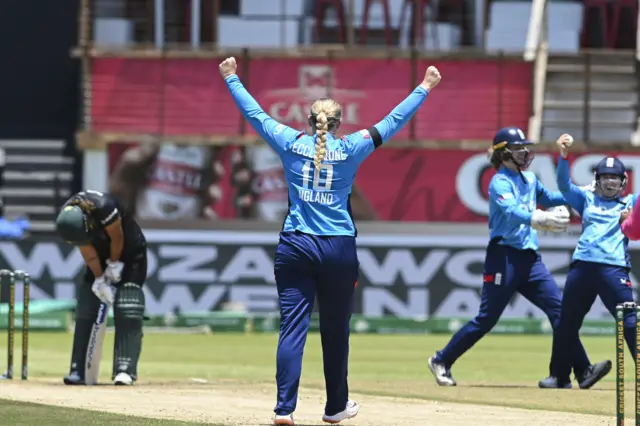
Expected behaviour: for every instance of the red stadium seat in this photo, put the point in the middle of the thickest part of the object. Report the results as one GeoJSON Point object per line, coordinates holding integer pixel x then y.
{"type": "Point", "coordinates": [365, 19]}
{"type": "Point", "coordinates": [420, 18]}
{"type": "Point", "coordinates": [321, 8]}
{"type": "Point", "coordinates": [601, 6]}
{"type": "Point", "coordinates": [618, 7]}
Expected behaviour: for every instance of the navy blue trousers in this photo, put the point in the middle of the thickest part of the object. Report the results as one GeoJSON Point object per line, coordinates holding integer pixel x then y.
{"type": "Point", "coordinates": [585, 281]}
{"type": "Point", "coordinates": [506, 271]}
{"type": "Point", "coordinates": [306, 267]}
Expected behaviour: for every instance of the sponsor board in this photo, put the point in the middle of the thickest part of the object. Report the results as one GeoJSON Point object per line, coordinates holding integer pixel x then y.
{"type": "Point", "coordinates": [200, 271]}
{"type": "Point", "coordinates": [405, 185]}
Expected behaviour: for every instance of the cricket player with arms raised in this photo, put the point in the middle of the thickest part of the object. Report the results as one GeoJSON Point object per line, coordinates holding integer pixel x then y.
{"type": "Point", "coordinates": [316, 254]}
{"type": "Point", "coordinates": [600, 264]}
{"type": "Point", "coordinates": [115, 252]}
{"type": "Point", "coordinates": [512, 262]}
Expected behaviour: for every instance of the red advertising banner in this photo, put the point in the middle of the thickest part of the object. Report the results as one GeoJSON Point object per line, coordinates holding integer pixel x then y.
{"type": "Point", "coordinates": [168, 97]}
{"type": "Point", "coordinates": [183, 182]}
{"type": "Point", "coordinates": [188, 97]}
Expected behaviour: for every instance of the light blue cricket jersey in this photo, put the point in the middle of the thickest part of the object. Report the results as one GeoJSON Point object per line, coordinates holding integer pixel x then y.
{"type": "Point", "coordinates": [602, 240]}
{"type": "Point", "coordinates": [320, 206]}
{"type": "Point", "coordinates": [511, 204]}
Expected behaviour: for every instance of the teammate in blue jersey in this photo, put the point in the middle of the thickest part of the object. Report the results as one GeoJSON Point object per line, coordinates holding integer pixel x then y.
{"type": "Point", "coordinates": [512, 263]}
{"type": "Point", "coordinates": [600, 264]}
{"type": "Point", "coordinates": [316, 254]}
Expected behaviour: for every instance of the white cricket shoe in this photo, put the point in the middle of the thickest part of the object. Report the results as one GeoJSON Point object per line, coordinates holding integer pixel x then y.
{"type": "Point", "coordinates": [123, 379]}
{"type": "Point", "coordinates": [441, 373]}
{"type": "Point", "coordinates": [286, 419]}
{"type": "Point", "coordinates": [348, 413]}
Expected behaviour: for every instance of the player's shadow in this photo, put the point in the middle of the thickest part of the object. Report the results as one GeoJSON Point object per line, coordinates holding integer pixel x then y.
{"type": "Point", "coordinates": [532, 386]}
{"type": "Point", "coordinates": [501, 386]}
{"type": "Point", "coordinates": [297, 424]}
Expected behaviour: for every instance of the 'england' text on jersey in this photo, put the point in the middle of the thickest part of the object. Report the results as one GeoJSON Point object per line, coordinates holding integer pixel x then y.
{"type": "Point", "coordinates": [315, 196]}
{"type": "Point", "coordinates": [308, 151]}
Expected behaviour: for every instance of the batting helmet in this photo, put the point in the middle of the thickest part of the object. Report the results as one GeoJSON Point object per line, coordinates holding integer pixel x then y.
{"type": "Point", "coordinates": [611, 177]}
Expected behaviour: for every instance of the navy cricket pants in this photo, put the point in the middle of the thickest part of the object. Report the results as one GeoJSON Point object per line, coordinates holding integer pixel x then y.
{"type": "Point", "coordinates": [508, 270]}
{"type": "Point", "coordinates": [585, 281]}
{"type": "Point", "coordinates": [307, 266]}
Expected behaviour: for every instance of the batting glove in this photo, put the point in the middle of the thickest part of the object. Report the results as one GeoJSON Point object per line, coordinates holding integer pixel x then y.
{"type": "Point", "coordinates": [103, 290]}
{"type": "Point", "coordinates": [114, 271]}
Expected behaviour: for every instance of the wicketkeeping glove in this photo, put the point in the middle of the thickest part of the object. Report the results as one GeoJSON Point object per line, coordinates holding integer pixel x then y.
{"type": "Point", "coordinates": [555, 220]}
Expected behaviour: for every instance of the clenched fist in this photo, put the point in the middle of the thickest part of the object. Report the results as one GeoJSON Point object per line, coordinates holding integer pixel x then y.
{"type": "Point", "coordinates": [564, 142]}
{"type": "Point", "coordinates": [624, 215]}
{"type": "Point", "coordinates": [228, 67]}
{"type": "Point", "coordinates": [431, 78]}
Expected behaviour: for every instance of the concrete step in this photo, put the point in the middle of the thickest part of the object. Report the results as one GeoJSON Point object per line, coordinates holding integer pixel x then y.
{"type": "Point", "coordinates": [594, 115]}
{"type": "Point", "coordinates": [571, 84]}
{"type": "Point", "coordinates": [598, 96]}
{"type": "Point", "coordinates": [612, 57]}
{"type": "Point", "coordinates": [592, 123]}
{"type": "Point", "coordinates": [593, 69]}
{"type": "Point", "coordinates": [14, 213]}
{"type": "Point", "coordinates": [23, 209]}
{"type": "Point", "coordinates": [34, 144]}
{"type": "Point", "coordinates": [579, 87]}
{"type": "Point", "coordinates": [593, 104]}
{"type": "Point", "coordinates": [42, 226]}
{"type": "Point", "coordinates": [39, 159]}
{"type": "Point", "coordinates": [578, 80]}
{"type": "Point", "coordinates": [37, 177]}
{"type": "Point", "coordinates": [596, 134]}
{"type": "Point", "coordinates": [26, 151]}
{"type": "Point", "coordinates": [32, 192]}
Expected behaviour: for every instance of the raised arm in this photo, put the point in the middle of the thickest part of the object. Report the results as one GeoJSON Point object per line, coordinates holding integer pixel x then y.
{"type": "Point", "coordinates": [631, 221]}
{"type": "Point", "coordinates": [364, 142]}
{"type": "Point", "coordinates": [277, 135]}
{"type": "Point", "coordinates": [574, 195]}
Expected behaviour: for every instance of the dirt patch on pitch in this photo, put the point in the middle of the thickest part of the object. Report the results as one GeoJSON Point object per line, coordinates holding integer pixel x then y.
{"type": "Point", "coordinates": [233, 404]}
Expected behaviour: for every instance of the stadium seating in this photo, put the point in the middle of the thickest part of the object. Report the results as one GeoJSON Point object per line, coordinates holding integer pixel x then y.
{"type": "Point", "coordinates": [509, 22]}
{"type": "Point", "coordinates": [288, 24]}
{"type": "Point", "coordinates": [37, 181]}
{"type": "Point", "coordinates": [258, 33]}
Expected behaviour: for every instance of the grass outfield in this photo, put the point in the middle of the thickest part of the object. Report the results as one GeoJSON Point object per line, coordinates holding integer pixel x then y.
{"type": "Point", "coordinates": [500, 370]}
{"type": "Point", "coordinates": [24, 413]}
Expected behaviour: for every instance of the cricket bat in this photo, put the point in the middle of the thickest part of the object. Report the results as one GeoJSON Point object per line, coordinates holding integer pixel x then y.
{"type": "Point", "coordinates": [94, 349]}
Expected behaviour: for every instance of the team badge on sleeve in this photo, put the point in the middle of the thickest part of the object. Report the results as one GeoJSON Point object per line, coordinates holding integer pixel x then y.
{"type": "Point", "coordinates": [365, 134]}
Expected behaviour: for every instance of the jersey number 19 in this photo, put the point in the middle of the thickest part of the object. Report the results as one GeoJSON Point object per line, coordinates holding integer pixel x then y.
{"type": "Point", "coordinates": [309, 169]}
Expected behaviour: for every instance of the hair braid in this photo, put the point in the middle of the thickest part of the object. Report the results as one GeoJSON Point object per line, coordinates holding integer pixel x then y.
{"type": "Point", "coordinates": [325, 117]}
{"type": "Point", "coordinates": [322, 127]}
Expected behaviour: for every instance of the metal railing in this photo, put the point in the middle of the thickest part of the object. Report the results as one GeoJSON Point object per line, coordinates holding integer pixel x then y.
{"type": "Point", "coordinates": [635, 136]}
{"type": "Point", "coordinates": [537, 51]}
{"type": "Point", "coordinates": [194, 24]}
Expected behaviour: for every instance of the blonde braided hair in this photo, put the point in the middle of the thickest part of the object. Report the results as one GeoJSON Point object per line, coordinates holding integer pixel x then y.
{"type": "Point", "coordinates": [325, 115]}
